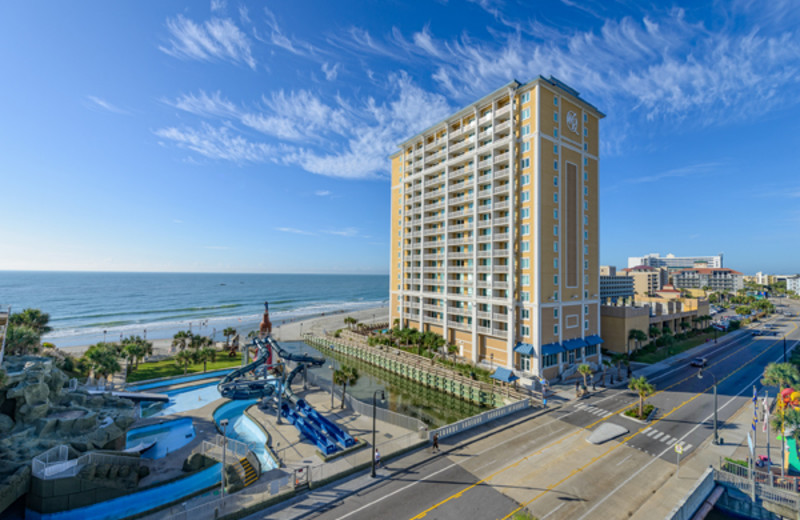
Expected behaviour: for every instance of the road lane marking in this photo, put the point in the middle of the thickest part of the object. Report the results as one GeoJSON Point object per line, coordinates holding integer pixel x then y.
{"type": "Point", "coordinates": [553, 511]}
{"type": "Point", "coordinates": [651, 432]}
{"type": "Point", "coordinates": [666, 450]}
{"type": "Point", "coordinates": [628, 438]}
{"type": "Point", "coordinates": [514, 464]}
{"type": "Point", "coordinates": [659, 435]}
{"type": "Point", "coordinates": [626, 458]}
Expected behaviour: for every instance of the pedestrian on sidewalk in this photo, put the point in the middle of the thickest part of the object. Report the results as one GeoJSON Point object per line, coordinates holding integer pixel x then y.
{"type": "Point", "coordinates": [377, 458]}
{"type": "Point", "coordinates": [435, 448]}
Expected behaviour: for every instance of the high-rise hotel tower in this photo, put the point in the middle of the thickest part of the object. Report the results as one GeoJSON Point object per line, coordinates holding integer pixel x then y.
{"type": "Point", "coordinates": [495, 230]}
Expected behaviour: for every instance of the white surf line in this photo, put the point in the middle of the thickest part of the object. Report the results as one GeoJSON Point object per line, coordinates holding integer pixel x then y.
{"type": "Point", "coordinates": [623, 460]}
{"type": "Point", "coordinates": [668, 449]}
{"type": "Point", "coordinates": [553, 511]}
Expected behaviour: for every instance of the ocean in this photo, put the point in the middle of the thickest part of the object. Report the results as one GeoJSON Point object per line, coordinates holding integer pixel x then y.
{"type": "Point", "coordinates": [82, 305]}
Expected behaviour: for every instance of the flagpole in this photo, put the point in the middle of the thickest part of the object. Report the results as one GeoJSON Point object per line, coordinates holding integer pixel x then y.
{"type": "Point", "coordinates": [766, 427]}
{"type": "Point", "coordinates": [755, 428]}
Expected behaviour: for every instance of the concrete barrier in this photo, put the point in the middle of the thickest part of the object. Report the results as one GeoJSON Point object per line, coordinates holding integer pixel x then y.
{"type": "Point", "coordinates": [477, 420]}
{"type": "Point", "coordinates": [694, 499]}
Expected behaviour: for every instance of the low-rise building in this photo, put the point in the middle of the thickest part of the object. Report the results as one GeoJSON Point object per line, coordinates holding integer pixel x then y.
{"type": "Point", "coordinates": [646, 280]}
{"type": "Point", "coordinates": [793, 283]}
{"type": "Point", "coordinates": [722, 279]}
{"type": "Point", "coordinates": [673, 262]}
{"type": "Point", "coordinates": [615, 289]}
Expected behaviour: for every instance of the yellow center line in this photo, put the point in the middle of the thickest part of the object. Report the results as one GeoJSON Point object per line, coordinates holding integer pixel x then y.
{"type": "Point", "coordinates": [556, 443]}
{"type": "Point", "coordinates": [629, 437]}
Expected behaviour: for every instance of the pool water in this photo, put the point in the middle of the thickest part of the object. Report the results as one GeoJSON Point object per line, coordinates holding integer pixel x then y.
{"type": "Point", "coordinates": [242, 428]}
{"type": "Point", "coordinates": [182, 400]}
{"type": "Point", "coordinates": [168, 436]}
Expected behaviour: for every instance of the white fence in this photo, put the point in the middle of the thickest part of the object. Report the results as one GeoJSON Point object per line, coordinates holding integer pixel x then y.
{"type": "Point", "coordinates": [55, 462]}
{"type": "Point", "coordinates": [767, 486]}
{"type": "Point", "coordinates": [481, 418]}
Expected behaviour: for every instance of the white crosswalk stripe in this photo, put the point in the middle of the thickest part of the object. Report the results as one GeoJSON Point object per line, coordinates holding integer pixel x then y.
{"type": "Point", "coordinates": [660, 434]}
{"type": "Point", "coordinates": [687, 447]}
{"type": "Point", "coordinates": [607, 414]}
{"type": "Point", "coordinates": [652, 432]}
{"type": "Point", "coordinates": [647, 430]}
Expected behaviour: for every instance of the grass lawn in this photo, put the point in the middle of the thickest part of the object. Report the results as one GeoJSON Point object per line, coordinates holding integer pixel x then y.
{"type": "Point", "coordinates": [663, 353]}
{"type": "Point", "coordinates": [168, 367]}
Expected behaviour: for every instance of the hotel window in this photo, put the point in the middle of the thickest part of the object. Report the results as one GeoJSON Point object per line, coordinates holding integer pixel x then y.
{"type": "Point", "coordinates": [555, 149]}
{"type": "Point", "coordinates": [591, 350]}
{"type": "Point", "coordinates": [555, 295]}
{"type": "Point", "coordinates": [555, 100]}
{"type": "Point", "coordinates": [586, 220]}
{"type": "Point", "coordinates": [555, 117]}
{"type": "Point", "coordinates": [584, 118]}
{"type": "Point", "coordinates": [526, 146]}
{"type": "Point", "coordinates": [585, 250]}
{"type": "Point", "coordinates": [525, 196]}
{"type": "Point", "coordinates": [585, 132]}
{"type": "Point", "coordinates": [555, 230]}
{"type": "Point", "coordinates": [555, 263]}
{"type": "Point", "coordinates": [525, 314]}
{"type": "Point", "coordinates": [526, 246]}
{"type": "Point", "coordinates": [586, 191]}
{"type": "Point", "coordinates": [586, 324]}
{"type": "Point", "coordinates": [525, 280]}
{"type": "Point", "coordinates": [525, 180]}
{"type": "Point", "coordinates": [585, 235]}
{"type": "Point", "coordinates": [525, 296]}
{"type": "Point", "coordinates": [525, 263]}
{"type": "Point", "coordinates": [555, 214]}
{"type": "Point", "coordinates": [555, 280]}
{"type": "Point", "coordinates": [526, 97]}
{"type": "Point", "coordinates": [525, 213]}
{"type": "Point", "coordinates": [585, 147]}
{"type": "Point", "coordinates": [555, 180]}
{"type": "Point", "coordinates": [555, 165]}
{"type": "Point", "coordinates": [586, 205]}
{"type": "Point", "coordinates": [525, 163]}
{"type": "Point", "coordinates": [526, 113]}
{"type": "Point", "coordinates": [555, 329]}
{"type": "Point", "coordinates": [555, 313]}
{"type": "Point", "coordinates": [526, 229]}
{"type": "Point", "coordinates": [555, 197]}
{"type": "Point", "coordinates": [555, 132]}
{"type": "Point", "coordinates": [555, 246]}
{"type": "Point", "coordinates": [586, 309]}
{"type": "Point", "coordinates": [550, 360]}
{"type": "Point", "coordinates": [586, 279]}
{"type": "Point", "coordinates": [526, 130]}
{"type": "Point", "coordinates": [525, 331]}
{"type": "Point", "coordinates": [586, 264]}
{"type": "Point", "coordinates": [585, 161]}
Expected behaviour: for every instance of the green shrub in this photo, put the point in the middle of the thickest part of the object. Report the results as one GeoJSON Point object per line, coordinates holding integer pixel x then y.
{"type": "Point", "coordinates": [634, 412]}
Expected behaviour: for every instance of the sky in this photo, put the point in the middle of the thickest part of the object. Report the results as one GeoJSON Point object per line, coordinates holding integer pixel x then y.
{"type": "Point", "coordinates": [254, 136]}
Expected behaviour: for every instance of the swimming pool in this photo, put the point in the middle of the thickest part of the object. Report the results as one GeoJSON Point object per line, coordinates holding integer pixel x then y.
{"type": "Point", "coordinates": [168, 437]}
{"type": "Point", "coordinates": [182, 400]}
{"type": "Point", "coordinates": [242, 428]}
{"type": "Point", "coordinates": [179, 380]}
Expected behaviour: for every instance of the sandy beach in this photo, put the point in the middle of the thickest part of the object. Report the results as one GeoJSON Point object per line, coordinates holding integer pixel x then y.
{"type": "Point", "coordinates": [290, 331]}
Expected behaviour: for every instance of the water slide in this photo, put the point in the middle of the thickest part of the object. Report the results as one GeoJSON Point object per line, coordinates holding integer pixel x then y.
{"type": "Point", "coordinates": [236, 386]}
{"type": "Point", "coordinates": [324, 424]}
{"type": "Point", "coordinates": [308, 429]}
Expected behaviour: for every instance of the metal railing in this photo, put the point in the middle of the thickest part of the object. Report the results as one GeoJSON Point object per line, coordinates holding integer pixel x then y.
{"type": "Point", "coordinates": [782, 490]}
{"type": "Point", "coordinates": [55, 462]}
{"type": "Point", "coordinates": [481, 418]}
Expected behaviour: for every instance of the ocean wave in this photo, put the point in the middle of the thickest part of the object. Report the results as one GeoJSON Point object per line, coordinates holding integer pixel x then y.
{"type": "Point", "coordinates": [148, 312]}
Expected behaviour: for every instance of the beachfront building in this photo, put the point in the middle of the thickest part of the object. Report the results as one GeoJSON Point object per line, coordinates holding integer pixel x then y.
{"type": "Point", "coordinates": [725, 280]}
{"type": "Point", "coordinates": [793, 284]}
{"type": "Point", "coordinates": [494, 229]}
{"type": "Point", "coordinates": [672, 262]}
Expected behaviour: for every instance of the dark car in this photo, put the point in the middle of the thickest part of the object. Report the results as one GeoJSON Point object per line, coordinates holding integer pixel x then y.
{"type": "Point", "coordinates": [699, 362]}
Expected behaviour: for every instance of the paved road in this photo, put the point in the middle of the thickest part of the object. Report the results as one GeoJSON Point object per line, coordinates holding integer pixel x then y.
{"type": "Point", "coordinates": [545, 463]}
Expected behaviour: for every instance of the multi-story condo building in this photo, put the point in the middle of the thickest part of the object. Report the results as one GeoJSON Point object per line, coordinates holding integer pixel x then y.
{"type": "Point", "coordinates": [615, 288]}
{"type": "Point", "coordinates": [716, 279]}
{"type": "Point", "coordinates": [672, 262]}
{"type": "Point", "coordinates": [494, 229]}
{"type": "Point", "coordinates": [793, 283]}
{"type": "Point", "coordinates": [646, 280]}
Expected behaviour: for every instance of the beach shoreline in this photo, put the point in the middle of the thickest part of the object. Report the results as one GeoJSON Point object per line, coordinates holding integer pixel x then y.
{"type": "Point", "coordinates": [289, 330]}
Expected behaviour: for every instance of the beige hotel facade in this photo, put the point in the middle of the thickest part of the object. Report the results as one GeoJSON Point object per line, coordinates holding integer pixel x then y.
{"type": "Point", "coordinates": [494, 230]}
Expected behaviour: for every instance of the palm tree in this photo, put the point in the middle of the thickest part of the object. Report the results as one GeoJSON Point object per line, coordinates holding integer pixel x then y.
{"type": "Point", "coordinates": [607, 363]}
{"type": "Point", "coordinates": [585, 370]}
{"type": "Point", "coordinates": [665, 331]}
{"type": "Point", "coordinates": [782, 375]}
{"type": "Point", "coordinates": [102, 359]}
{"type": "Point", "coordinates": [198, 342]}
{"type": "Point", "coordinates": [228, 332]}
{"type": "Point", "coordinates": [638, 336]}
{"type": "Point", "coordinates": [350, 321]}
{"type": "Point", "coordinates": [21, 340]}
{"type": "Point", "coordinates": [345, 376]}
{"type": "Point", "coordinates": [184, 357]}
{"type": "Point", "coordinates": [643, 388]}
{"type": "Point", "coordinates": [654, 331]}
{"type": "Point", "coordinates": [181, 339]}
{"type": "Point", "coordinates": [205, 355]}
{"type": "Point", "coordinates": [33, 318]}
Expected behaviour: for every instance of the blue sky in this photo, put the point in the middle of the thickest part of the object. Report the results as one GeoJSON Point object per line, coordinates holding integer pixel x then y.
{"type": "Point", "coordinates": [254, 136]}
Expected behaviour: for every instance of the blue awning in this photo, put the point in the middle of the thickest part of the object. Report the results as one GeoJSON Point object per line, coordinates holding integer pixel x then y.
{"type": "Point", "coordinates": [552, 348]}
{"type": "Point", "coordinates": [524, 348]}
{"type": "Point", "coordinates": [574, 344]}
{"type": "Point", "coordinates": [505, 375]}
{"type": "Point", "coordinates": [594, 339]}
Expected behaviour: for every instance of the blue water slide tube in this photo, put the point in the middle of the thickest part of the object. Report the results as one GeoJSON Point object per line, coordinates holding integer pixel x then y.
{"type": "Point", "coordinates": [325, 424]}
{"type": "Point", "coordinates": [309, 430]}
{"type": "Point", "coordinates": [234, 387]}
{"type": "Point", "coordinates": [296, 357]}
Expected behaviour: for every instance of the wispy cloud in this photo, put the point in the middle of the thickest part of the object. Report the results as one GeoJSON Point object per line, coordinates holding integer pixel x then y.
{"type": "Point", "coordinates": [218, 5]}
{"type": "Point", "coordinates": [218, 143]}
{"type": "Point", "coordinates": [330, 71]}
{"type": "Point", "coordinates": [686, 171]}
{"type": "Point", "coordinates": [294, 231]}
{"type": "Point", "coordinates": [215, 39]}
{"type": "Point", "coordinates": [278, 38]}
{"type": "Point", "coordinates": [97, 102]}
{"type": "Point", "coordinates": [177, 221]}
{"type": "Point", "coordinates": [346, 232]}
{"type": "Point", "coordinates": [322, 193]}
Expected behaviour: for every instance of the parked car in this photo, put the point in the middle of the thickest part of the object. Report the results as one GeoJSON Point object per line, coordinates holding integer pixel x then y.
{"type": "Point", "coordinates": [699, 362]}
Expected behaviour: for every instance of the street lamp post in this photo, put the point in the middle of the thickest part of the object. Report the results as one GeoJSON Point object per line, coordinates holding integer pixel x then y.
{"type": "Point", "coordinates": [374, 407]}
{"type": "Point", "coordinates": [700, 376]}
{"type": "Point", "coordinates": [104, 336]}
{"type": "Point", "coordinates": [332, 384]}
{"type": "Point", "coordinates": [224, 424]}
